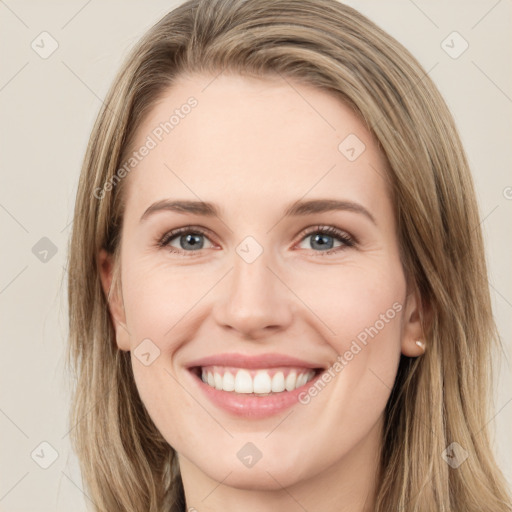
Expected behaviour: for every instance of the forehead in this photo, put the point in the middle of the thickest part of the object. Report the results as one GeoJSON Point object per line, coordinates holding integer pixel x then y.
{"type": "Point", "coordinates": [247, 141]}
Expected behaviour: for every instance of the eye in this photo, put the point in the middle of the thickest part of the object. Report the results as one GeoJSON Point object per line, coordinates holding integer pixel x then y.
{"type": "Point", "coordinates": [184, 240]}
{"type": "Point", "coordinates": [190, 239]}
{"type": "Point", "coordinates": [324, 237]}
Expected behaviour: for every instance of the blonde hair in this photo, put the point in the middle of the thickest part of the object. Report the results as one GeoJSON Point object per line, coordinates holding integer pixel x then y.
{"type": "Point", "coordinates": [437, 399]}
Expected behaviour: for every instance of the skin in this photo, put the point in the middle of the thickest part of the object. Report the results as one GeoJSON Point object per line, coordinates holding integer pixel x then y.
{"type": "Point", "coordinates": [253, 147]}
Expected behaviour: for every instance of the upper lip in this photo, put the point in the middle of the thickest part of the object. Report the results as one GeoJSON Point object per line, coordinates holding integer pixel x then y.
{"type": "Point", "coordinates": [252, 362]}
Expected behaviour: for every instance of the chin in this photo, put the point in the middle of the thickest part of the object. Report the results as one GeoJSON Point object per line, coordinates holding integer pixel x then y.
{"type": "Point", "coordinates": [268, 474]}
{"type": "Point", "coordinates": [262, 479]}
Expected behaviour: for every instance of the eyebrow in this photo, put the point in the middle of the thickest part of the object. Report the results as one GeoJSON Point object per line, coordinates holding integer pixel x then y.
{"type": "Point", "coordinates": [296, 209]}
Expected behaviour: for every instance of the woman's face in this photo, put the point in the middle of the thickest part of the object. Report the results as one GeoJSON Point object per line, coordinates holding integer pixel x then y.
{"type": "Point", "coordinates": [284, 277]}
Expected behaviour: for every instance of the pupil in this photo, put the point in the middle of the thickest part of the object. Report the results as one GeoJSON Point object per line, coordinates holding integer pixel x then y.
{"type": "Point", "coordinates": [321, 240]}
{"type": "Point", "coordinates": [193, 240]}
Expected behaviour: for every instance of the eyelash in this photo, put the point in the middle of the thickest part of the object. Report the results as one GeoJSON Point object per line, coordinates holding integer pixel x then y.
{"type": "Point", "coordinates": [342, 236]}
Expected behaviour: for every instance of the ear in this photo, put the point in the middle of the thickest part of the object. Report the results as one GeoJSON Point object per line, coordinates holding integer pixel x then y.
{"type": "Point", "coordinates": [112, 291]}
{"type": "Point", "coordinates": [413, 340]}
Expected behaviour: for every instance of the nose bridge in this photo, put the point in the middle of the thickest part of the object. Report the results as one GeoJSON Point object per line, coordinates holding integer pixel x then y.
{"type": "Point", "coordinates": [253, 300]}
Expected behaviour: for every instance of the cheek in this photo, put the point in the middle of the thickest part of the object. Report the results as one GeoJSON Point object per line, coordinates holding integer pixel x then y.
{"type": "Point", "coordinates": [163, 397]}
{"type": "Point", "coordinates": [157, 297]}
{"type": "Point", "coordinates": [365, 313]}
{"type": "Point", "coordinates": [162, 305]}
{"type": "Point", "coordinates": [360, 313]}
{"type": "Point", "coordinates": [353, 301]}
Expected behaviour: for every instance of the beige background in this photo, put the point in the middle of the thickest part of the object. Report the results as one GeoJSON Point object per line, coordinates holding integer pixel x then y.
{"type": "Point", "coordinates": [47, 110]}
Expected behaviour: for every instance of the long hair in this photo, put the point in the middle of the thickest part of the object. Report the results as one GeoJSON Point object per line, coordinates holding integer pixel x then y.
{"type": "Point", "coordinates": [439, 398]}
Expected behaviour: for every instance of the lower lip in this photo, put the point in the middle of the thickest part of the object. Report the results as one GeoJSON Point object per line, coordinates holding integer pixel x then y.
{"type": "Point", "coordinates": [250, 406]}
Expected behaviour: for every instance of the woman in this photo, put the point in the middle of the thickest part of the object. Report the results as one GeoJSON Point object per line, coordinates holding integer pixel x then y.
{"type": "Point", "coordinates": [277, 286]}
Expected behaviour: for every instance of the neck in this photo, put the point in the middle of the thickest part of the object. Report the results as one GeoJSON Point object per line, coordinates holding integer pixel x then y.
{"type": "Point", "coordinates": [347, 486]}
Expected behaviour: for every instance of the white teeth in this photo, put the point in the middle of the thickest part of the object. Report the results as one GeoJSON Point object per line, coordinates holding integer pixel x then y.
{"type": "Point", "coordinates": [290, 382]}
{"type": "Point", "coordinates": [217, 378]}
{"type": "Point", "coordinates": [262, 382]}
{"type": "Point", "coordinates": [301, 380]}
{"type": "Point", "coordinates": [228, 382]}
{"type": "Point", "coordinates": [278, 382]}
{"type": "Point", "coordinates": [243, 382]}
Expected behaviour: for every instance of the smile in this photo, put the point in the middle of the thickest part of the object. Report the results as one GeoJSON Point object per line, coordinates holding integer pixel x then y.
{"type": "Point", "coordinates": [261, 382]}
{"type": "Point", "coordinates": [253, 386]}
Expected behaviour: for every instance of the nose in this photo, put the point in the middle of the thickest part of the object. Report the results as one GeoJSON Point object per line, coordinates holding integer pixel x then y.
{"type": "Point", "coordinates": [253, 301]}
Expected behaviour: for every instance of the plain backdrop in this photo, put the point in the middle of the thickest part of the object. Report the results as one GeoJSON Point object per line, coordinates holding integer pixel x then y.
{"type": "Point", "coordinates": [48, 106]}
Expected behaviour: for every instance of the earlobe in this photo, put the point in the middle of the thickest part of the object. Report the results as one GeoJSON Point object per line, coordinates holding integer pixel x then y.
{"type": "Point", "coordinates": [416, 350]}
{"type": "Point", "coordinates": [413, 342]}
{"type": "Point", "coordinates": [421, 344]}
{"type": "Point", "coordinates": [111, 290]}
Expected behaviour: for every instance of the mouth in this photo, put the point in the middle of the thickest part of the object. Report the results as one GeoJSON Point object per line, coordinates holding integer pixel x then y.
{"type": "Point", "coordinates": [253, 387]}
{"type": "Point", "coordinates": [256, 382]}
